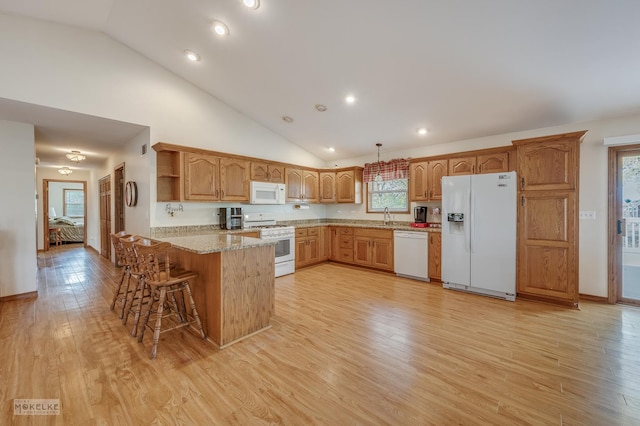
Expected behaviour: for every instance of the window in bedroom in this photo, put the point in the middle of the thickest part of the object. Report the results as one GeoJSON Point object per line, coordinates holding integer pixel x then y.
{"type": "Point", "coordinates": [73, 202]}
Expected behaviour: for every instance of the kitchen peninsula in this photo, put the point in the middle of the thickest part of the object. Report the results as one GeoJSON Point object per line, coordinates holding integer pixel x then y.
{"type": "Point", "coordinates": [234, 291]}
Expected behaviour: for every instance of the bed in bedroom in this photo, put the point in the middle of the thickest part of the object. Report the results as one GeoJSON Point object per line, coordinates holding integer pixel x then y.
{"type": "Point", "coordinates": [71, 230]}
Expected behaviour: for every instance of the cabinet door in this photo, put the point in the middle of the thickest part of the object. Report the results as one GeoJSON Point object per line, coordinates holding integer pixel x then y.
{"type": "Point", "coordinates": [436, 170]}
{"type": "Point", "coordinates": [382, 253]}
{"type": "Point", "coordinates": [362, 250]}
{"type": "Point", "coordinates": [325, 243]}
{"type": "Point", "coordinates": [547, 255]}
{"type": "Point", "coordinates": [345, 187]}
{"type": "Point", "coordinates": [435, 256]}
{"type": "Point", "coordinates": [311, 182]}
{"type": "Point", "coordinates": [294, 182]}
{"type": "Point", "coordinates": [201, 174]}
{"type": "Point", "coordinates": [259, 171]}
{"type": "Point", "coordinates": [462, 166]}
{"type": "Point", "coordinates": [547, 166]}
{"type": "Point", "coordinates": [276, 173]}
{"type": "Point", "coordinates": [493, 163]}
{"type": "Point", "coordinates": [313, 249]}
{"type": "Point", "coordinates": [335, 244]}
{"type": "Point", "coordinates": [418, 181]}
{"type": "Point", "coordinates": [234, 179]}
{"type": "Point", "coordinates": [301, 252]}
{"type": "Point", "coordinates": [327, 187]}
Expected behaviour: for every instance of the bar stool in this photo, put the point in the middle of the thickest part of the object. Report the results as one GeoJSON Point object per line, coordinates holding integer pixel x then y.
{"type": "Point", "coordinates": [140, 294]}
{"type": "Point", "coordinates": [165, 283]}
{"type": "Point", "coordinates": [121, 293]}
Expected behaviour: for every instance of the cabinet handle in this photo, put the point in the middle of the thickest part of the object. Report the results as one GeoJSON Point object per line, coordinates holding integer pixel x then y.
{"type": "Point", "coordinates": [522, 200]}
{"type": "Point", "coordinates": [473, 168]}
{"type": "Point", "coordinates": [425, 194]}
{"type": "Point", "coordinates": [479, 168]}
{"type": "Point", "coordinates": [522, 183]}
{"type": "Point", "coordinates": [431, 193]}
{"type": "Point", "coordinates": [222, 192]}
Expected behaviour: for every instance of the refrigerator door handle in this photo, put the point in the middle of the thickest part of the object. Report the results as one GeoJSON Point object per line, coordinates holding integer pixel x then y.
{"type": "Point", "coordinates": [467, 224]}
{"type": "Point", "coordinates": [472, 222]}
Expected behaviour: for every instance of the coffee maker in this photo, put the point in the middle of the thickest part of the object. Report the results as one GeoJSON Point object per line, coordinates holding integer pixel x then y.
{"type": "Point", "coordinates": [420, 214]}
{"type": "Point", "coordinates": [230, 217]}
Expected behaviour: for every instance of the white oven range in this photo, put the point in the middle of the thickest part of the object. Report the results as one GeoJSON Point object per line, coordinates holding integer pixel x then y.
{"type": "Point", "coordinates": [285, 236]}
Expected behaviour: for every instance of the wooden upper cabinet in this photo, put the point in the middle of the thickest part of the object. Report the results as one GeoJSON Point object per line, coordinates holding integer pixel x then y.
{"type": "Point", "coordinates": [349, 185]}
{"type": "Point", "coordinates": [302, 185]}
{"type": "Point", "coordinates": [234, 179]}
{"type": "Point", "coordinates": [267, 172]}
{"type": "Point", "coordinates": [418, 181]}
{"type": "Point", "coordinates": [327, 187]}
{"type": "Point", "coordinates": [201, 174]}
{"type": "Point", "coordinates": [493, 163]}
{"type": "Point", "coordinates": [168, 176]}
{"type": "Point", "coordinates": [311, 182]}
{"type": "Point", "coordinates": [462, 166]}
{"type": "Point", "coordinates": [547, 165]}
{"type": "Point", "coordinates": [435, 171]}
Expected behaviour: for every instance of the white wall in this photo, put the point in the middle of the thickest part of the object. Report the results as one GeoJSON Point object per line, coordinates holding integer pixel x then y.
{"type": "Point", "coordinates": [87, 72]}
{"type": "Point", "coordinates": [52, 174]}
{"type": "Point", "coordinates": [18, 267]}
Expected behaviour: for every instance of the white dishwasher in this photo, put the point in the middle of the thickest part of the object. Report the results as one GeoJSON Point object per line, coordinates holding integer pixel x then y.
{"type": "Point", "coordinates": [411, 254]}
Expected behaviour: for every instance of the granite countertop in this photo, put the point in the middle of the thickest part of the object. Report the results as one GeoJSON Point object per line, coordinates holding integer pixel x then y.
{"type": "Point", "coordinates": [395, 227]}
{"type": "Point", "coordinates": [214, 242]}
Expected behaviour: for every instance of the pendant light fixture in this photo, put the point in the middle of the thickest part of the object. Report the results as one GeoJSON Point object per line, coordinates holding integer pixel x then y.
{"type": "Point", "coordinates": [378, 178]}
{"type": "Point", "coordinates": [75, 156]}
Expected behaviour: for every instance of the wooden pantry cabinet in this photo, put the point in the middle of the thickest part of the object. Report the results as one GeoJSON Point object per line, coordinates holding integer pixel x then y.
{"type": "Point", "coordinates": [211, 178]}
{"type": "Point", "coordinates": [547, 263]}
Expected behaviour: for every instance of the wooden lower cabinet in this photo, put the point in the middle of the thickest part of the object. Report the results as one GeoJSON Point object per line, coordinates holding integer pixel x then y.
{"type": "Point", "coordinates": [307, 246]}
{"type": "Point", "coordinates": [325, 243]}
{"type": "Point", "coordinates": [373, 248]}
{"type": "Point", "coordinates": [435, 256]}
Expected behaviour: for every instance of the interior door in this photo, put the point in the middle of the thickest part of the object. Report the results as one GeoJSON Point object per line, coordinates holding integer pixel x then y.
{"type": "Point", "coordinates": [105, 216]}
{"type": "Point", "coordinates": [624, 257]}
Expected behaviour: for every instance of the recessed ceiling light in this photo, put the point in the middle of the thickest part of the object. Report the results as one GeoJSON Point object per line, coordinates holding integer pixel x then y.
{"type": "Point", "coordinates": [321, 108]}
{"type": "Point", "coordinates": [287, 119]}
{"type": "Point", "coordinates": [251, 4]}
{"type": "Point", "coordinates": [350, 99]}
{"type": "Point", "coordinates": [191, 55]}
{"type": "Point", "coordinates": [331, 149]}
{"type": "Point", "coordinates": [422, 131]}
{"type": "Point", "coordinates": [219, 28]}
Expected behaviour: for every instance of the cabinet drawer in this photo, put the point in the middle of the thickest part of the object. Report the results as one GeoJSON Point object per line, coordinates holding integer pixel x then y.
{"type": "Point", "coordinates": [346, 255]}
{"type": "Point", "coordinates": [301, 232]}
{"type": "Point", "coordinates": [313, 232]}
{"type": "Point", "coordinates": [345, 231]}
{"type": "Point", "coordinates": [346, 241]}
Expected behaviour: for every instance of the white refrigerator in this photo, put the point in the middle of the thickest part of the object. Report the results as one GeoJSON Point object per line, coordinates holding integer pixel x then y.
{"type": "Point", "coordinates": [479, 233]}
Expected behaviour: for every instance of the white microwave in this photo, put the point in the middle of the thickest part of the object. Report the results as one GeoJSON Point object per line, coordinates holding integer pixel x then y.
{"type": "Point", "coordinates": [267, 193]}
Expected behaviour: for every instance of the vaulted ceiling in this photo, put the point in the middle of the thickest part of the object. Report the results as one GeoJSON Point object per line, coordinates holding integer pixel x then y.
{"type": "Point", "coordinates": [461, 69]}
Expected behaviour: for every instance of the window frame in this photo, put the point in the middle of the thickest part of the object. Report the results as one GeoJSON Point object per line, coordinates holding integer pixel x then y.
{"type": "Point", "coordinates": [65, 203]}
{"type": "Point", "coordinates": [369, 198]}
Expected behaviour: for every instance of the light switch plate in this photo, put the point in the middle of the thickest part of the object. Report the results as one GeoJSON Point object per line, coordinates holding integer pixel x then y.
{"type": "Point", "coordinates": [588, 215]}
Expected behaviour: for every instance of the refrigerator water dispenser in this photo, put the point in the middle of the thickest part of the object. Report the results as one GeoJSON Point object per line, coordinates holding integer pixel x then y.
{"type": "Point", "coordinates": [456, 223]}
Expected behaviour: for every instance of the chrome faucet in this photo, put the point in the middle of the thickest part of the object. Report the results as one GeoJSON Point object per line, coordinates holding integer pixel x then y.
{"type": "Point", "coordinates": [387, 217]}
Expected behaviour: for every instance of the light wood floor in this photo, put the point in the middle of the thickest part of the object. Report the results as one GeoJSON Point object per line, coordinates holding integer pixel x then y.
{"type": "Point", "coordinates": [348, 346]}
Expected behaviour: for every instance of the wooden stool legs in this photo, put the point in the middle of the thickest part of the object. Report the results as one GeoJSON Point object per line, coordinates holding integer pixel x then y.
{"type": "Point", "coordinates": [120, 294]}
{"type": "Point", "coordinates": [159, 304]}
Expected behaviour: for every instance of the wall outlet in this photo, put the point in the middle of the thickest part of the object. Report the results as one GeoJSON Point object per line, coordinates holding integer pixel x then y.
{"type": "Point", "coordinates": [588, 215]}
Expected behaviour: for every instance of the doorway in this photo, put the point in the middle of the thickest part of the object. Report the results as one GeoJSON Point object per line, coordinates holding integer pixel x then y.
{"type": "Point", "coordinates": [104, 185]}
{"type": "Point", "coordinates": [624, 224]}
{"type": "Point", "coordinates": [65, 212]}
